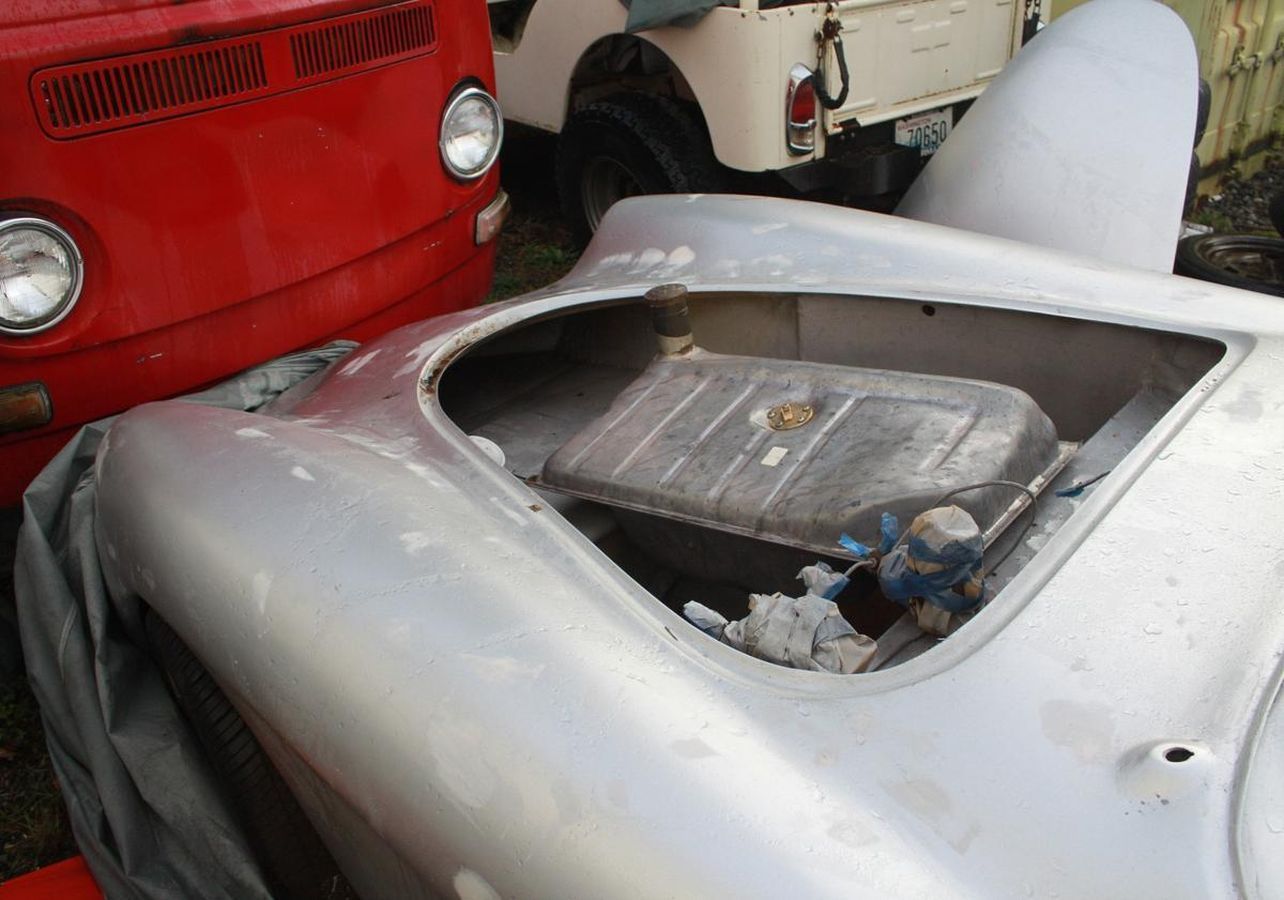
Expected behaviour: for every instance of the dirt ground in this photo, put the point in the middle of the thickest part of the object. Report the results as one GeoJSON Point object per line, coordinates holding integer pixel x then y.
{"type": "Point", "coordinates": [1240, 207]}
{"type": "Point", "coordinates": [33, 822]}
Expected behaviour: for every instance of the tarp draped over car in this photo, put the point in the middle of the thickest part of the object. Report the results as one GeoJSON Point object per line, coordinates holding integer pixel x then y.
{"type": "Point", "coordinates": [144, 807]}
{"type": "Point", "coordinates": [644, 14]}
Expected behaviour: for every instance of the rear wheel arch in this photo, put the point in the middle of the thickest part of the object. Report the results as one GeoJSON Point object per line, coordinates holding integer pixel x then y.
{"type": "Point", "coordinates": [618, 63]}
{"type": "Point", "coordinates": [626, 144]}
{"type": "Point", "coordinates": [290, 852]}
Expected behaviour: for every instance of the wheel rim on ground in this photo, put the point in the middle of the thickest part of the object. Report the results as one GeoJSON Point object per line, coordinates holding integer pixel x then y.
{"type": "Point", "coordinates": [1253, 261]}
{"type": "Point", "coordinates": [604, 182]}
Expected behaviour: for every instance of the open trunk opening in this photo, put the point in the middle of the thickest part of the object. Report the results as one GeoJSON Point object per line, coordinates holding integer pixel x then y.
{"type": "Point", "coordinates": [691, 471]}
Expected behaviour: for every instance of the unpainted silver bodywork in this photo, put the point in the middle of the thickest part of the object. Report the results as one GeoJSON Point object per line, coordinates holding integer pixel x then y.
{"type": "Point", "coordinates": [472, 700]}
{"type": "Point", "coordinates": [1083, 143]}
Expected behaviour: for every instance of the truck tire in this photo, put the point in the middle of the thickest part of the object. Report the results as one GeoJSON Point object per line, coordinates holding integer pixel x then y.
{"type": "Point", "coordinates": [289, 851]}
{"type": "Point", "coordinates": [627, 145]}
{"type": "Point", "coordinates": [1239, 260]}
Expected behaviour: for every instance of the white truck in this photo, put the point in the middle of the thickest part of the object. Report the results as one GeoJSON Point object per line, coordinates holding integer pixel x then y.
{"type": "Point", "coordinates": [846, 97]}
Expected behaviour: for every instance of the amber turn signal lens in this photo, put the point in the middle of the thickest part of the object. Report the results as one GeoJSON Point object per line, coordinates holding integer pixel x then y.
{"type": "Point", "coordinates": [24, 406]}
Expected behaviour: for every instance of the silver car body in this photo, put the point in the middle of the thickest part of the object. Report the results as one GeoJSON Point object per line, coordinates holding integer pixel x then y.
{"type": "Point", "coordinates": [472, 700]}
{"type": "Point", "coordinates": [1053, 152]}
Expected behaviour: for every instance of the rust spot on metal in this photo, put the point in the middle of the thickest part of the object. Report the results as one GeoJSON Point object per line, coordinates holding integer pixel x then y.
{"type": "Point", "coordinates": [464, 341]}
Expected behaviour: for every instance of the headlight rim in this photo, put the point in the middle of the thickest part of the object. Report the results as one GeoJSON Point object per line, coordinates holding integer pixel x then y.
{"type": "Point", "coordinates": [13, 221]}
{"type": "Point", "coordinates": [467, 91]}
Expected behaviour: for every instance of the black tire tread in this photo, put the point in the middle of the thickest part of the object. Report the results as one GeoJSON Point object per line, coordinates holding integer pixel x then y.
{"type": "Point", "coordinates": [290, 852]}
{"type": "Point", "coordinates": [669, 141]}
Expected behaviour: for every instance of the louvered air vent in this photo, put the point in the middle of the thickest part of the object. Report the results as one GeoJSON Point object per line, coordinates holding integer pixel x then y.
{"type": "Point", "coordinates": [89, 98]}
{"type": "Point", "coordinates": [360, 40]}
{"type": "Point", "coordinates": [98, 97]}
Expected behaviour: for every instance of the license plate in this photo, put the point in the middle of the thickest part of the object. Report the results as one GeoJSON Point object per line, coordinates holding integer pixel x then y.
{"type": "Point", "coordinates": [926, 131]}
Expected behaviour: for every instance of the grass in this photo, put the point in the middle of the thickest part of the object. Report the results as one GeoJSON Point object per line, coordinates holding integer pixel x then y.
{"type": "Point", "coordinates": [1214, 219]}
{"type": "Point", "coordinates": [535, 247]}
{"type": "Point", "coordinates": [1247, 212]}
{"type": "Point", "coordinates": [534, 250]}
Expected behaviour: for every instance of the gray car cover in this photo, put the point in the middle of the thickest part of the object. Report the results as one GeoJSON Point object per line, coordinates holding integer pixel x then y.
{"type": "Point", "coordinates": [144, 808]}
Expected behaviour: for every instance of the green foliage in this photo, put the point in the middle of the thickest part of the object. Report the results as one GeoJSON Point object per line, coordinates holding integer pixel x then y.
{"type": "Point", "coordinates": [535, 249]}
{"type": "Point", "coordinates": [1214, 219]}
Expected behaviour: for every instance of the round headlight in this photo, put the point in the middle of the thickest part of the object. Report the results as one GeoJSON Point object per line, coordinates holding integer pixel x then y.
{"type": "Point", "coordinates": [40, 275]}
{"type": "Point", "coordinates": [471, 131]}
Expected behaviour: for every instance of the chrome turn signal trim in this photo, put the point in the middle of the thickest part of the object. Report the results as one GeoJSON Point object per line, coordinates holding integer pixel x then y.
{"type": "Point", "coordinates": [800, 133]}
{"type": "Point", "coordinates": [491, 219]}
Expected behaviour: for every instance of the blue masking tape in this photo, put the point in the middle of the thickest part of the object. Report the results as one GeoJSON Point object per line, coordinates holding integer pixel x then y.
{"type": "Point", "coordinates": [890, 530]}
{"type": "Point", "coordinates": [837, 588]}
{"type": "Point", "coordinates": [856, 547]}
{"type": "Point", "coordinates": [899, 582]}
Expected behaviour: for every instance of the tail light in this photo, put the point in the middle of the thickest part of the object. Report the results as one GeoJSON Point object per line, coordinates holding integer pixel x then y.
{"type": "Point", "coordinates": [800, 111]}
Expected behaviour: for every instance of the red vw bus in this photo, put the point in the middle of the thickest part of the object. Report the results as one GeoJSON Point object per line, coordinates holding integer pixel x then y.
{"type": "Point", "coordinates": [187, 189]}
